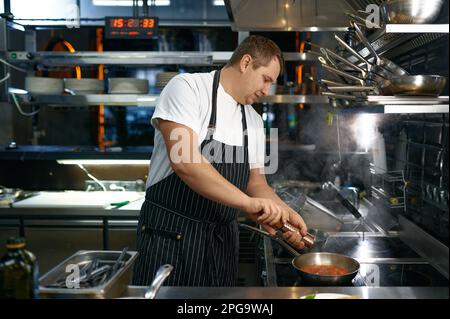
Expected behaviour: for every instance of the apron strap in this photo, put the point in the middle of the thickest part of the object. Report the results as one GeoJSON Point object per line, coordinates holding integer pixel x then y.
{"type": "Point", "coordinates": [213, 117]}
{"type": "Point", "coordinates": [244, 126]}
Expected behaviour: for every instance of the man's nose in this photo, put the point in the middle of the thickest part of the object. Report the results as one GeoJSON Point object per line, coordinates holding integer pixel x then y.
{"type": "Point", "coordinates": [265, 90]}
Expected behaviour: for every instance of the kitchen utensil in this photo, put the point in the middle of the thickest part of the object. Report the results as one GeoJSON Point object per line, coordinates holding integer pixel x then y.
{"type": "Point", "coordinates": [326, 259]}
{"type": "Point", "coordinates": [119, 262]}
{"type": "Point", "coordinates": [379, 61]}
{"type": "Point", "coordinates": [345, 202]}
{"type": "Point", "coordinates": [316, 258]}
{"type": "Point", "coordinates": [375, 73]}
{"type": "Point", "coordinates": [410, 11]}
{"type": "Point", "coordinates": [315, 238]}
{"type": "Point", "coordinates": [361, 81]}
{"type": "Point", "coordinates": [346, 62]}
{"type": "Point", "coordinates": [429, 85]}
{"type": "Point", "coordinates": [313, 213]}
{"type": "Point", "coordinates": [341, 89]}
{"type": "Point", "coordinates": [117, 205]}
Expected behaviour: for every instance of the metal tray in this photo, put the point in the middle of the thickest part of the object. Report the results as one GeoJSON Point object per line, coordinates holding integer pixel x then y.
{"type": "Point", "coordinates": [111, 288]}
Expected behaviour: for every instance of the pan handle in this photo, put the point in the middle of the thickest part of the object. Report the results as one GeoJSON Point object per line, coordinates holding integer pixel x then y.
{"type": "Point", "coordinates": [345, 61]}
{"type": "Point", "coordinates": [366, 43]}
{"type": "Point", "coordinates": [278, 238]}
{"type": "Point", "coordinates": [352, 51]}
{"type": "Point", "coordinates": [352, 209]}
{"type": "Point", "coordinates": [339, 72]}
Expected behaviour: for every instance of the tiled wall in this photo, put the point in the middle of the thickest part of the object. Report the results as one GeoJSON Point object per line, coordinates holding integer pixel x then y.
{"type": "Point", "coordinates": [425, 161]}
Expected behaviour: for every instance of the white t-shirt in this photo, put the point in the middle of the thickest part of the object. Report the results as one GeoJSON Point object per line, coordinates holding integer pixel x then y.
{"type": "Point", "coordinates": [187, 100]}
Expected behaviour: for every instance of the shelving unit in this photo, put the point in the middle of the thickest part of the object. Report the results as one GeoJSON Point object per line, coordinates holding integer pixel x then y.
{"type": "Point", "coordinates": [391, 41]}
{"type": "Point", "coordinates": [134, 58]}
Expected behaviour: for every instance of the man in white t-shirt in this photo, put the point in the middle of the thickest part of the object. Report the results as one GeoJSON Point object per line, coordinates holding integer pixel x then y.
{"type": "Point", "coordinates": [207, 165]}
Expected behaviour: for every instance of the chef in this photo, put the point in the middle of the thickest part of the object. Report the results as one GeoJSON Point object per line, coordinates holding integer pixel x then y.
{"type": "Point", "coordinates": [207, 165]}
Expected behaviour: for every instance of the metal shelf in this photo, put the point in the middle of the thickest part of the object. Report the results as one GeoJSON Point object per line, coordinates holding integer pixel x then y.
{"type": "Point", "coordinates": [303, 99]}
{"type": "Point", "coordinates": [147, 100]}
{"type": "Point", "coordinates": [416, 28]}
{"type": "Point", "coordinates": [399, 105]}
{"type": "Point", "coordinates": [135, 58]}
{"type": "Point", "coordinates": [373, 104]}
{"type": "Point", "coordinates": [93, 99]}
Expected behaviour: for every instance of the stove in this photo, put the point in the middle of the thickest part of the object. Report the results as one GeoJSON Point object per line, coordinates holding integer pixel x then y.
{"type": "Point", "coordinates": [374, 275]}
{"type": "Point", "coordinates": [385, 262]}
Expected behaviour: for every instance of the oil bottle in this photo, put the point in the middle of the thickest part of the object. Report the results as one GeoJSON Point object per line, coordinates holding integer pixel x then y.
{"type": "Point", "coordinates": [18, 272]}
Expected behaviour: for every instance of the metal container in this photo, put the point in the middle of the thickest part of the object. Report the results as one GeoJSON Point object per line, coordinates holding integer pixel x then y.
{"type": "Point", "coordinates": [411, 11]}
{"type": "Point", "coordinates": [111, 288]}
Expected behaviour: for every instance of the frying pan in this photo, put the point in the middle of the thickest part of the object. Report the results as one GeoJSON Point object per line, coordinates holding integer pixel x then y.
{"type": "Point", "coordinates": [316, 258]}
{"type": "Point", "coordinates": [430, 85]}
{"type": "Point", "coordinates": [375, 73]}
{"type": "Point", "coordinates": [426, 85]}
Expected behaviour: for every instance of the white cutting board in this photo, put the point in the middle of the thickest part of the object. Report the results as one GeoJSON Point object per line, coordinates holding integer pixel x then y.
{"type": "Point", "coordinates": [77, 199]}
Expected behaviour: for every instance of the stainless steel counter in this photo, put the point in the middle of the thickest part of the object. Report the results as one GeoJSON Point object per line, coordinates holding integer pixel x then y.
{"type": "Point", "coordinates": [292, 292]}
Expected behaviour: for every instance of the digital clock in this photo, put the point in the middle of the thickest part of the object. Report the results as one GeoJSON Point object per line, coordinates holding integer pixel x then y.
{"type": "Point", "coordinates": [130, 28]}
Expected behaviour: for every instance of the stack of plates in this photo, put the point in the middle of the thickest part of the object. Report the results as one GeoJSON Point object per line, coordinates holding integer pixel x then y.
{"type": "Point", "coordinates": [47, 86]}
{"type": "Point", "coordinates": [128, 86]}
{"type": "Point", "coordinates": [84, 86]}
{"type": "Point", "coordinates": [163, 78]}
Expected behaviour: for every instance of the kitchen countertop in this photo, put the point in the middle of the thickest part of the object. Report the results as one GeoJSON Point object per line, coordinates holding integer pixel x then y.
{"type": "Point", "coordinates": [291, 292]}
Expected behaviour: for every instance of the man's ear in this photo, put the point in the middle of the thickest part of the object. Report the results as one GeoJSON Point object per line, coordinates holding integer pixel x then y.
{"type": "Point", "coordinates": [245, 63]}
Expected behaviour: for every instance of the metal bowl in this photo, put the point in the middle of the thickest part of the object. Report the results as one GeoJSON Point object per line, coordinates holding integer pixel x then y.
{"type": "Point", "coordinates": [411, 11]}
{"type": "Point", "coordinates": [329, 259]}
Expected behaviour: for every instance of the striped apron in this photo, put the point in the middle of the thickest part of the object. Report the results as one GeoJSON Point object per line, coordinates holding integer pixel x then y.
{"type": "Point", "coordinates": [177, 226]}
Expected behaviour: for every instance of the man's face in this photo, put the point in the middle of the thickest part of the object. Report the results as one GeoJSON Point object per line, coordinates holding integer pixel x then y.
{"type": "Point", "coordinates": [257, 82]}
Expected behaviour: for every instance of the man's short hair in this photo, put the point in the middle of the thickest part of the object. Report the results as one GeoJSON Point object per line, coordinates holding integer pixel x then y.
{"type": "Point", "coordinates": [261, 49]}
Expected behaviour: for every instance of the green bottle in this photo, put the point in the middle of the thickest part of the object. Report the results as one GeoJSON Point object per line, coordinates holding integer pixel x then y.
{"type": "Point", "coordinates": [18, 272]}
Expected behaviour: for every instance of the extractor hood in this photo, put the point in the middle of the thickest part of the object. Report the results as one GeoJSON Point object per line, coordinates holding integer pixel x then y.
{"type": "Point", "coordinates": [289, 15]}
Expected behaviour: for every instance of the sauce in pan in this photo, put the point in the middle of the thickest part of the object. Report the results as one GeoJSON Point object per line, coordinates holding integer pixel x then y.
{"type": "Point", "coordinates": [324, 270]}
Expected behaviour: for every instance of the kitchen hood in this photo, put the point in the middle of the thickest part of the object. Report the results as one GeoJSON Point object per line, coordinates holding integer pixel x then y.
{"type": "Point", "coordinates": [290, 15]}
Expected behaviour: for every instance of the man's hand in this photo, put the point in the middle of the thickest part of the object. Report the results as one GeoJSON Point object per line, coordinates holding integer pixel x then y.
{"type": "Point", "coordinates": [293, 238]}
{"type": "Point", "coordinates": [266, 212]}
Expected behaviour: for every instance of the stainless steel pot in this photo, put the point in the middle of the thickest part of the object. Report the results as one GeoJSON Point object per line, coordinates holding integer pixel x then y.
{"type": "Point", "coordinates": [411, 11]}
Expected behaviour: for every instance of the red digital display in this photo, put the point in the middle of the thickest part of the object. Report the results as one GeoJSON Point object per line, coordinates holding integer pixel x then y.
{"type": "Point", "coordinates": [131, 28]}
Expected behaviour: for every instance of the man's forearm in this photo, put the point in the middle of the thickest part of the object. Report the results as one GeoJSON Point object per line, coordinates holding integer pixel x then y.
{"type": "Point", "coordinates": [204, 179]}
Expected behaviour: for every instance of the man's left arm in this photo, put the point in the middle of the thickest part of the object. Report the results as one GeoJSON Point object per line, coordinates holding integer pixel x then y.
{"type": "Point", "coordinates": [258, 187]}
